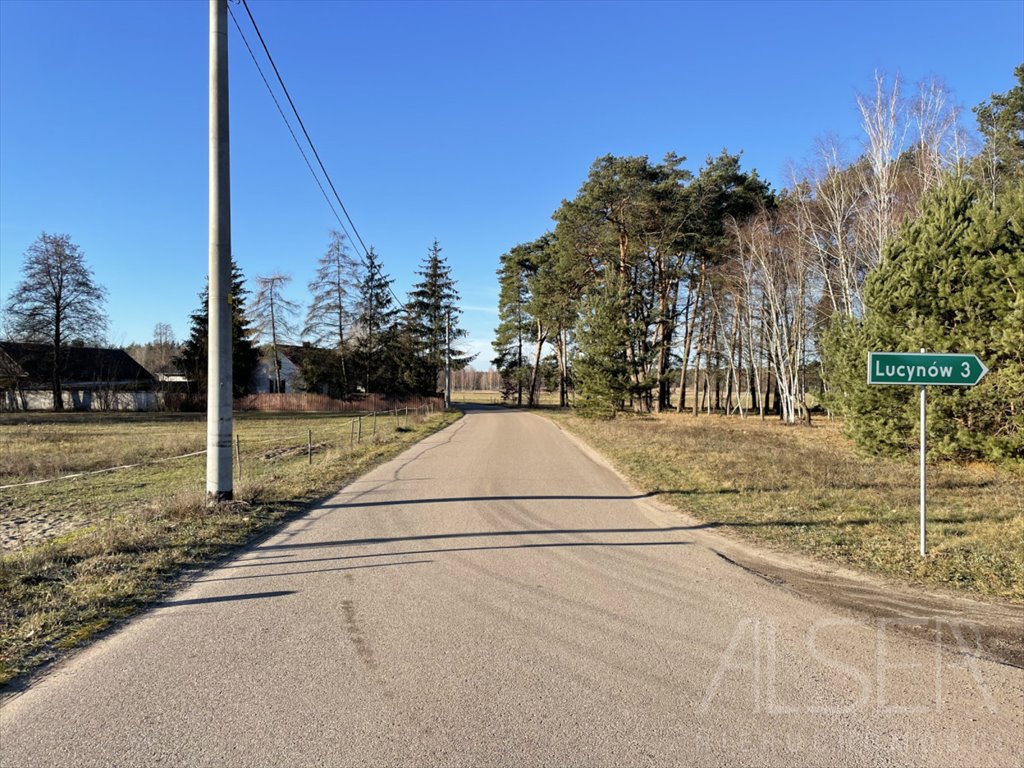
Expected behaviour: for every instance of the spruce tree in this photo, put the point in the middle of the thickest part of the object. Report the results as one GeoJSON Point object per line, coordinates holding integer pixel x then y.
{"type": "Point", "coordinates": [377, 346]}
{"type": "Point", "coordinates": [433, 305]}
{"type": "Point", "coordinates": [602, 371]}
{"type": "Point", "coordinates": [244, 354]}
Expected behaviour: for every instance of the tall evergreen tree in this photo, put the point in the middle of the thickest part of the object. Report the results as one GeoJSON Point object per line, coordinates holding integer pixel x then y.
{"type": "Point", "coordinates": [607, 225]}
{"type": "Point", "coordinates": [722, 193]}
{"type": "Point", "coordinates": [515, 325]}
{"type": "Point", "coordinates": [652, 233]}
{"type": "Point", "coordinates": [602, 368]}
{"type": "Point", "coordinates": [432, 324]}
{"type": "Point", "coordinates": [555, 290]}
{"type": "Point", "coordinates": [1001, 122]}
{"type": "Point", "coordinates": [244, 354]}
{"type": "Point", "coordinates": [377, 345]}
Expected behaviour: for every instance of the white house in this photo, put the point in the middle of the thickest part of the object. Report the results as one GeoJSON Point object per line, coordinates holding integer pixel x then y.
{"type": "Point", "coordinates": [264, 378]}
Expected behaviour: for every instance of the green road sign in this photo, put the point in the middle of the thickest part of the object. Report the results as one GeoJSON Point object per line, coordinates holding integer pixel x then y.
{"type": "Point", "coordinates": [925, 368]}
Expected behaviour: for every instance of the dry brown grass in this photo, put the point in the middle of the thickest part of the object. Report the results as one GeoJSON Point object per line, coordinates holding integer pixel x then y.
{"type": "Point", "coordinates": [808, 489]}
{"type": "Point", "coordinates": [92, 550]}
{"type": "Point", "coordinates": [493, 397]}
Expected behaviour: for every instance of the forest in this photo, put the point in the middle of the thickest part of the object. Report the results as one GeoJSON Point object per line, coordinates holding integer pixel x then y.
{"type": "Point", "coordinates": [660, 288]}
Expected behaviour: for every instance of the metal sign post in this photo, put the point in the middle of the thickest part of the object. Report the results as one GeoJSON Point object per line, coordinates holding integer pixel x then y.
{"type": "Point", "coordinates": [922, 468]}
{"type": "Point", "coordinates": [924, 369]}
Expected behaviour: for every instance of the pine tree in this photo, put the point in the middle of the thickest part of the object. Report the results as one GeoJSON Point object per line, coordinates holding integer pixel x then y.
{"type": "Point", "coordinates": [244, 354]}
{"type": "Point", "coordinates": [950, 282]}
{"type": "Point", "coordinates": [515, 324]}
{"type": "Point", "coordinates": [1001, 123]}
{"type": "Point", "coordinates": [554, 297]}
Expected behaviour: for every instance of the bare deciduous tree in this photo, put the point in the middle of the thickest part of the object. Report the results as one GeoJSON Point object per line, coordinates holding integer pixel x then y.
{"type": "Point", "coordinates": [329, 315]}
{"type": "Point", "coordinates": [56, 301]}
{"type": "Point", "coordinates": [939, 143]}
{"type": "Point", "coordinates": [273, 316]}
{"type": "Point", "coordinates": [827, 205]}
{"type": "Point", "coordinates": [885, 130]}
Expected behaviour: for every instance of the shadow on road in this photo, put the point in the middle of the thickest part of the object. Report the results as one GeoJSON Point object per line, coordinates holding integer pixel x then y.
{"type": "Point", "coordinates": [484, 408]}
{"type": "Point", "coordinates": [482, 534]}
{"type": "Point", "coordinates": [457, 499]}
{"type": "Point", "coordinates": [496, 547]}
{"type": "Point", "coordinates": [516, 497]}
{"type": "Point", "coordinates": [319, 570]}
{"type": "Point", "coordinates": [224, 598]}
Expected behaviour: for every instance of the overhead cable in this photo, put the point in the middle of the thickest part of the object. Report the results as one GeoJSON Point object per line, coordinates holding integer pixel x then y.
{"type": "Point", "coordinates": [312, 146]}
{"type": "Point", "coordinates": [288, 124]}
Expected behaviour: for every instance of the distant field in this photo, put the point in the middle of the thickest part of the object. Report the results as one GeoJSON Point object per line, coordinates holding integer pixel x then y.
{"type": "Point", "coordinates": [489, 396]}
{"type": "Point", "coordinates": [493, 396]}
{"type": "Point", "coordinates": [808, 489]}
{"type": "Point", "coordinates": [77, 554]}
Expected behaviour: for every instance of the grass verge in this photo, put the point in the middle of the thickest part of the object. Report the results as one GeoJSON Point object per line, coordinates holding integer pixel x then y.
{"type": "Point", "coordinates": [807, 489]}
{"type": "Point", "coordinates": [142, 529]}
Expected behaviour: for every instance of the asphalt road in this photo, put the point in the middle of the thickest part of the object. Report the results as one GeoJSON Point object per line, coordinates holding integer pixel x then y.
{"type": "Point", "coordinates": [496, 596]}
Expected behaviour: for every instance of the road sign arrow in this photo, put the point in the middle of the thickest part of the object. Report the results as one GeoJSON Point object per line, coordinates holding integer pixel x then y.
{"type": "Point", "coordinates": [925, 368]}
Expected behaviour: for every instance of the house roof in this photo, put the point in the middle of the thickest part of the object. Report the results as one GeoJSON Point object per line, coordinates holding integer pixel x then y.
{"type": "Point", "coordinates": [297, 354]}
{"type": "Point", "coordinates": [167, 369]}
{"type": "Point", "coordinates": [78, 364]}
{"type": "Point", "coordinates": [9, 369]}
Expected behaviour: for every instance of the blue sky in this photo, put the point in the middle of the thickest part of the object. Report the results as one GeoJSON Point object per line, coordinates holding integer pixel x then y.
{"type": "Point", "coordinates": [468, 122]}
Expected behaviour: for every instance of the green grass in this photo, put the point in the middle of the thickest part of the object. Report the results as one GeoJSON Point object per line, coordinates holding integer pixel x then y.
{"type": "Point", "coordinates": [90, 551]}
{"type": "Point", "coordinates": [807, 489]}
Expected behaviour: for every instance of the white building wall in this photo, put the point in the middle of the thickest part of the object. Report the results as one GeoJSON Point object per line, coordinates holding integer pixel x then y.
{"type": "Point", "coordinates": [265, 379]}
{"type": "Point", "coordinates": [83, 400]}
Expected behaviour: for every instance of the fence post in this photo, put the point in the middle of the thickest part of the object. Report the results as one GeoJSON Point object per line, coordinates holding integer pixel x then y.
{"type": "Point", "coordinates": [238, 455]}
{"type": "Point", "coordinates": [375, 423]}
{"type": "Point", "coordinates": [359, 435]}
{"type": "Point", "coordinates": [309, 445]}
{"type": "Point", "coordinates": [352, 433]}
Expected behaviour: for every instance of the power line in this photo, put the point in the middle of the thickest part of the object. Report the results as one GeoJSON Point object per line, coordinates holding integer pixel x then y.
{"type": "Point", "coordinates": [309, 140]}
{"type": "Point", "coordinates": [288, 125]}
{"type": "Point", "coordinates": [302, 125]}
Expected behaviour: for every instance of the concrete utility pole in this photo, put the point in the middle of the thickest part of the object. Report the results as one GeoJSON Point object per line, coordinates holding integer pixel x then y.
{"type": "Point", "coordinates": [448, 360]}
{"type": "Point", "coordinates": [218, 382]}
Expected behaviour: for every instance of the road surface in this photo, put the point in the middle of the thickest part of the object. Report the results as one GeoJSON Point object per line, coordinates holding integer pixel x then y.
{"type": "Point", "coordinates": [496, 596]}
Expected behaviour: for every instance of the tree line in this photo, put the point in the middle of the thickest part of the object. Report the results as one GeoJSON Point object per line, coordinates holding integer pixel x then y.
{"type": "Point", "coordinates": [354, 334]}
{"type": "Point", "coordinates": [661, 288]}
